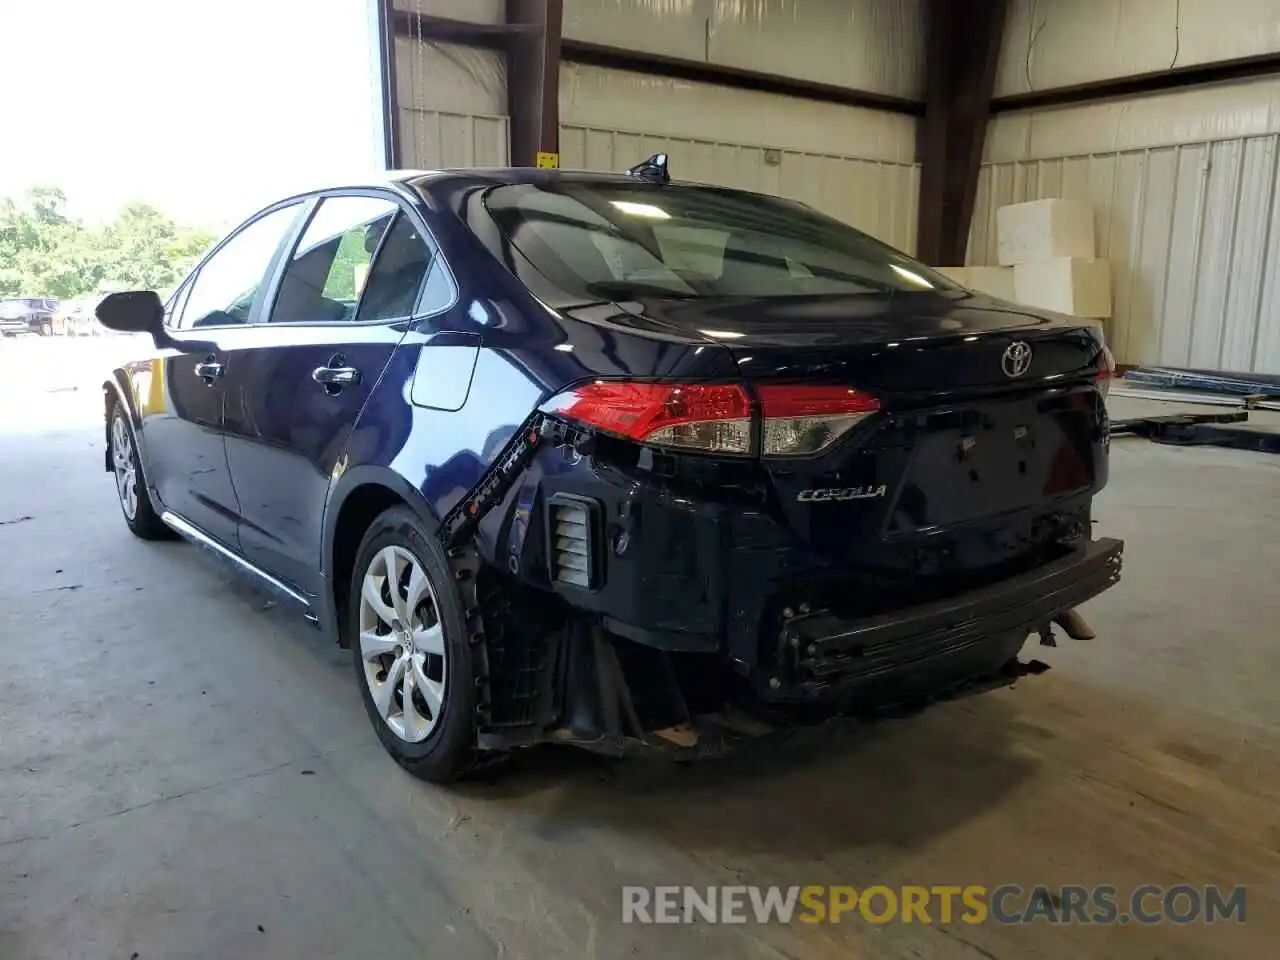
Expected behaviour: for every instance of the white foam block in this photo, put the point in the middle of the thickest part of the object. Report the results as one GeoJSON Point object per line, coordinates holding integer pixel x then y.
{"type": "Point", "coordinates": [1043, 230]}
{"type": "Point", "coordinates": [993, 281]}
{"type": "Point", "coordinates": [1077, 286]}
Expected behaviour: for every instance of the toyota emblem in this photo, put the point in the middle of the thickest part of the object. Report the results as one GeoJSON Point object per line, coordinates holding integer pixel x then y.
{"type": "Point", "coordinates": [1016, 359]}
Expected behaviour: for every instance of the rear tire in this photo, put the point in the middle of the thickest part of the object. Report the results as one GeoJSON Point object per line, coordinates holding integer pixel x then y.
{"type": "Point", "coordinates": [409, 643]}
{"type": "Point", "coordinates": [131, 486]}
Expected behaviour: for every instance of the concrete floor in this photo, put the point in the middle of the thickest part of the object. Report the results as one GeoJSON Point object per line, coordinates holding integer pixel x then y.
{"type": "Point", "coordinates": [185, 771]}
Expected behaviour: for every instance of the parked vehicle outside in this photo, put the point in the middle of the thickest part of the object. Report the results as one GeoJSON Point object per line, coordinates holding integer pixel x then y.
{"type": "Point", "coordinates": [28, 315]}
{"type": "Point", "coordinates": [615, 461]}
{"type": "Point", "coordinates": [13, 318]}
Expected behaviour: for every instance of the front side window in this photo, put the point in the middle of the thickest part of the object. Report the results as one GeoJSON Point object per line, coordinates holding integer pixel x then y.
{"type": "Point", "coordinates": [227, 284]}
{"type": "Point", "coordinates": [612, 240]}
{"type": "Point", "coordinates": [330, 267]}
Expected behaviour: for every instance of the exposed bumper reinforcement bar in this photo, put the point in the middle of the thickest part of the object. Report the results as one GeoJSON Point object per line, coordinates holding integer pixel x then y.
{"type": "Point", "coordinates": [834, 653]}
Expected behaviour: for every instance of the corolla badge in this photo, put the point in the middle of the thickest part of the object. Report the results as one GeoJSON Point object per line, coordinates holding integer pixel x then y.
{"type": "Point", "coordinates": [825, 494]}
{"type": "Point", "coordinates": [1016, 359]}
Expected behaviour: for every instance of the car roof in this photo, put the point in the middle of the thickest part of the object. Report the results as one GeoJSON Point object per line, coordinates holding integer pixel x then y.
{"type": "Point", "coordinates": [434, 185]}
{"type": "Point", "coordinates": [426, 179]}
{"type": "Point", "coordinates": [515, 175]}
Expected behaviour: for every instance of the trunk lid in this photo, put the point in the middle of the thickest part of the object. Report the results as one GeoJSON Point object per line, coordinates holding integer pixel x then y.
{"type": "Point", "coordinates": [987, 413]}
{"type": "Point", "coordinates": [925, 344]}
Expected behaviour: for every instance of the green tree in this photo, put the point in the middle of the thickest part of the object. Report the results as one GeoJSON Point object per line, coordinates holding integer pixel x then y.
{"type": "Point", "coordinates": [43, 252]}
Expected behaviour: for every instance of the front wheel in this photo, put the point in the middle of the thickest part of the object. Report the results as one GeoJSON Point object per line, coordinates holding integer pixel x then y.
{"type": "Point", "coordinates": [409, 644]}
{"type": "Point", "coordinates": [131, 487]}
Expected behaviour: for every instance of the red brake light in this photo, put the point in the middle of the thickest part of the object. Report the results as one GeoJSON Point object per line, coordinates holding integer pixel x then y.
{"type": "Point", "coordinates": [801, 420]}
{"type": "Point", "coordinates": [713, 418]}
{"type": "Point", "coordinates": [798, 419]}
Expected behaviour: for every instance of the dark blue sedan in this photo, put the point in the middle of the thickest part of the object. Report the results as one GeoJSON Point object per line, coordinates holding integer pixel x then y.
{"type": "Point", "coordinates": [616, 461]}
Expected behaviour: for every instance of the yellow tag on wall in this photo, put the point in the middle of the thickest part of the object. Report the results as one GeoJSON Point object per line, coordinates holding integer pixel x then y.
{"type": "Point", "coordinates": [548, 161]}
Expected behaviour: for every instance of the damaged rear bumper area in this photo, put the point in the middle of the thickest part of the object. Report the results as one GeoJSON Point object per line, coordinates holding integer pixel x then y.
{"type": "Point", "coordinates": [623, 698]}
{"type": "Point", "coordinates": [673, 625]}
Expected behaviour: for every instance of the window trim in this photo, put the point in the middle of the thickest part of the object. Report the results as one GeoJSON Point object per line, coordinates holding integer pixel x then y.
{"type": "Point", "coordinates": [193, 277]}
{"type": "Point", "coordinates": [403, 208]}
{"type": "Point", "coordinates": [178, 303]}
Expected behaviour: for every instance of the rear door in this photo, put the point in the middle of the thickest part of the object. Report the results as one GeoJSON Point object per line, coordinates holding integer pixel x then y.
{"type": "Point", "coordinates": [338, 309]}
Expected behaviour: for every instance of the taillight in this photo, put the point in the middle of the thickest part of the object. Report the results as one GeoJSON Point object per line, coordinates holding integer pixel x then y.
{"type": "Point", "coordinates": [801, 420]}
{"type": "Point", "coordinates": [797, 420]}
{"type": "Point", "coordinates": [1107, 373]}
{"type": "Point", "coordinates": [712, 418]}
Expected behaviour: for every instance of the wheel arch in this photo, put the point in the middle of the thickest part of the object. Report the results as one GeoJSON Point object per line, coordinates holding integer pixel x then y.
{"type": "Point", "coordinates": [114, 392]}
{"type": "Point", "coordinates": [355, 500]}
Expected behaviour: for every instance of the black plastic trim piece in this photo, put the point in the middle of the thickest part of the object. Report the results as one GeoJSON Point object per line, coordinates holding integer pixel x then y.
{"type": "Point", "coordinates": [595, 539]}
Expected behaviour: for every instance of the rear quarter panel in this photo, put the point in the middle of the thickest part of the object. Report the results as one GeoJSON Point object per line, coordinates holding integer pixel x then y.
{"type": "Point", "coordinates": [521, 351]}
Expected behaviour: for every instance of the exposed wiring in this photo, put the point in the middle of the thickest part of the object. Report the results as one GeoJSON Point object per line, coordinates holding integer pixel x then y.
{"type": "Point", "coordinates": [1033, 37]}
{"type": "Point", "coordinates": [1177, 32]}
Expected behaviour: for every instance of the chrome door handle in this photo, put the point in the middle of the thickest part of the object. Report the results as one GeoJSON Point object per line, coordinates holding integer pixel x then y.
{"type": "Point", "coordinates": [335, 376]}
{"type": "Point", "coordinates": [208, 371]}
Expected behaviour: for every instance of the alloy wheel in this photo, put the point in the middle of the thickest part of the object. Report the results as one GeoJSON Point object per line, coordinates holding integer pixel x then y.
{"type": "Point", "coordinates": [402, 643]}
{"type": "Point", "coordinates": [125, 469]}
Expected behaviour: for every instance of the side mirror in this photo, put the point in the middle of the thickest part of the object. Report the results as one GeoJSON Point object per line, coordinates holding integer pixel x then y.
{"type": "Point", "coordinates": [138, 311]}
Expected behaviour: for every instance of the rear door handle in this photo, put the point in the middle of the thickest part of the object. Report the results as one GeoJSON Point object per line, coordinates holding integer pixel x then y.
{"type": "Point", "coordinates": [335, 375]}
{"type": "Point", "coordinates": [209, 370]}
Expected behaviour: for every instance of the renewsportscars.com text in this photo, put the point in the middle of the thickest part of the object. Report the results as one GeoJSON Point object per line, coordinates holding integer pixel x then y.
{"type": "Point", "coordinates": [1006, 904]}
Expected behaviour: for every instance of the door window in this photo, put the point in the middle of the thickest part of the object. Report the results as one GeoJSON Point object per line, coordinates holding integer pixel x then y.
{"type": "Point", "coordinates": [330, 267]}
{"type": "Point", "coordinates": [227, 283]}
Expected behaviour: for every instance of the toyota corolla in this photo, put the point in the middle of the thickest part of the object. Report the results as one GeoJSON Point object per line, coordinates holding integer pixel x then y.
{"type": "Point", "coordinates": [616, 461]}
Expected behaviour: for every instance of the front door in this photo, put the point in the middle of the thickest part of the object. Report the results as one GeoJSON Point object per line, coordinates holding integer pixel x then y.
{"type": "Point", "coordinates": [341, 306]}
{"type": "Point", "coordinates": [186, 453]}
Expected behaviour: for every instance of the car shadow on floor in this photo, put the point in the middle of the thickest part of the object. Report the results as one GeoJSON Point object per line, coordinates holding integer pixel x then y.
{"type": "Point", "coordinates": [800, 796]}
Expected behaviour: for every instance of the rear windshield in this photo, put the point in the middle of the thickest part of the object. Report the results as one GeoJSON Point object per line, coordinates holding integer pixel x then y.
{"type": "Point", "coordinates": [612, 240]}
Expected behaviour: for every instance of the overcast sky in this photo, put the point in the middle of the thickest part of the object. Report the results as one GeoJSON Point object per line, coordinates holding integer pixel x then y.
{"type": "Point", "coordinates": [207, 110]}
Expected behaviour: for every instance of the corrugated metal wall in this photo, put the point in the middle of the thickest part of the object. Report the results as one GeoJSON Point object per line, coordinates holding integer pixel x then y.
{"type": "Point", "coordinates": [1186, 193]}
{"type": "Point", "coordinates": [1193, 236]}
{"type": "Point", "coordinates": [872, 45]}
{"type": "Point", "coordinates": [1056, 43]}
{"type": "Point", "coordinates": [453, 102]}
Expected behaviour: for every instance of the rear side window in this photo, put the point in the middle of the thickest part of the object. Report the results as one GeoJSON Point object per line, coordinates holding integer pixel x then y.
{"type": "Point", "coordinates": [397, 274]}
{"type": "Point", "coordinates": [330, 266]}
{"type": "Point", "coordinates": [227, 284]}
